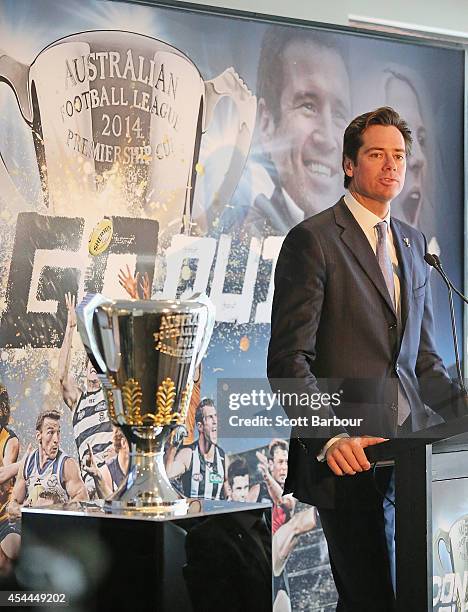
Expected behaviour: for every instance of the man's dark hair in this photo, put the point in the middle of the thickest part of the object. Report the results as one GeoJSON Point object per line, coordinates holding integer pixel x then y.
{"type": "Point", "coordinates": [238, 467]}
{"type": "Point", "coordinates": [275, 444]}
{"type": "Point", "coordinates": [270, 74]}
{"type": "Point", "coordinates": [206, 401]}
{"type": "Point", "coordinates": [352, 139]}
{"type": "Point", "coordinates": [4, 407]}
{"type": "Point", "coordinates": [46, 414]}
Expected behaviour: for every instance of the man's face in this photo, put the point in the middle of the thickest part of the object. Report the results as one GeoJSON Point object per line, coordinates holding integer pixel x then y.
{"type": "Point", "coordinates": [279, 465]}
{"type": "Point", "coordinates": [305, 142]}
{"type": "Point", "coordinates": [92, 381]}
{"type": "Point", "coordinates": [378, 175]}
{"type": "Point", "coordinates": [400, 95]}
{"type": "Point", "coordinates": [240, 488]}
{"type": "Point", "coordinates": [118, 439]}
{"type": "Point", "coordinates": [48, 437]}
{"type": "Point", "coordinates": [4, 413]}
{"type": "Point", "coordinates": [4, 407]}
{"type": "Point", "coordinates": [209, 426]}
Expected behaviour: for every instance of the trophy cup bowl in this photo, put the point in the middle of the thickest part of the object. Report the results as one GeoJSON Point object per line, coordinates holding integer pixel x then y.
{"type": "Point", "coordinates": [145, 353]}
{"type": "Point", "coordinates": [122, 115]}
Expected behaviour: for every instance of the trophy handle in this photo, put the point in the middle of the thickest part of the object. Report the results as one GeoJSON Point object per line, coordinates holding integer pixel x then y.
{"type": "Point", "coordinates": [230, 84]}
{"type": "Point", "coordinates": [442, 536]}
{"type": "Point", "coordinates": [84, 318]}
{"type": "Point", "coordinates": [16, 75]}
{"type": "Point", "coordinates": [205, 329]}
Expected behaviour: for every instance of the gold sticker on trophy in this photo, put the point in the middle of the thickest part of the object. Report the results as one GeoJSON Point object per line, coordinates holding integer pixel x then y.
{"type": "Point", "coordinates": [100, 237]}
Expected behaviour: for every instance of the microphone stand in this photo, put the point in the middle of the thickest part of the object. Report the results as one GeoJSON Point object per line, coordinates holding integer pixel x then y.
{"type": "Point", "coordinates": [434, 261]}
{"type": "Point", "coordinates": [439, 268]}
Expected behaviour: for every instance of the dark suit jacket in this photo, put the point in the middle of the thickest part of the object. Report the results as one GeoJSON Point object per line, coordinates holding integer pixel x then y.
{"type": "Point", "coordinates": [332, 318]}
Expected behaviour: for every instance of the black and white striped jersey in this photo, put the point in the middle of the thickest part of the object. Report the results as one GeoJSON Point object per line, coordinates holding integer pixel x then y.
{"type": "Point", "coordinates": [91, 425]}
{"type": "Point", "coordinates": [203, 478]}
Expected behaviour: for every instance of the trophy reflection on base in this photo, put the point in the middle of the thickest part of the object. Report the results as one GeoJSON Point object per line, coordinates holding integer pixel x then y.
{"type": "Point", "coordinates": [145, 353]}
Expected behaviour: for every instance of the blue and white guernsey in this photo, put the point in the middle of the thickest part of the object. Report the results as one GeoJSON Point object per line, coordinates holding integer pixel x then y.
{"type": "Point", "coordinates": [91, 425]}
{"type": "Point", "coordinates": [46, 482]}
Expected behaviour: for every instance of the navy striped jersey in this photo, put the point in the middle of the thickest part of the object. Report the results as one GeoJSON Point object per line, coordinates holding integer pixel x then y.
{"type": "Point", "coordinates": [116, 473]}
{"type": "Point", "coordinates": [46, 482]}
{"type": "Point", "coordinates": [203, 478]}
{"type": "Point", "coordinates": [91, 425]}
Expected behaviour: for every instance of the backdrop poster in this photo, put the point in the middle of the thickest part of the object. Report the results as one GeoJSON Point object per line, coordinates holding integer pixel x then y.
{"type": "Point", "coordinates": [161, 152]}
{"type": "Point", "coordinates": [449, 538]}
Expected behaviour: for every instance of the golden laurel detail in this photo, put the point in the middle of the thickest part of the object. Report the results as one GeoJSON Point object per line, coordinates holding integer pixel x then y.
{"type": "Point", "coordinates": [165, 399]}
{"type": "Point", "coordinates": [110, 399]}
{"type": "Point", "coordinates": [132, 396]}
{"type": "Point", "coordinates": [111, 405]}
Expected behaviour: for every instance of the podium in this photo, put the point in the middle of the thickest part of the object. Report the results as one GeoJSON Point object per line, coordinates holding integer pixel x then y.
{"type": "Point", "coordinates": [424, 461]}
{"type": "Point", "coordinates": [135, 561]}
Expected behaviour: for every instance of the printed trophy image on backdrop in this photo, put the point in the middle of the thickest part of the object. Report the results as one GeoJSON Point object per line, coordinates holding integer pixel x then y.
{"type": "Point", "coordinates": [455, 542]}
{"type": "Point", "coordinates": [145, 353]}
{"type": "Point", "coordinates": [118, 117]}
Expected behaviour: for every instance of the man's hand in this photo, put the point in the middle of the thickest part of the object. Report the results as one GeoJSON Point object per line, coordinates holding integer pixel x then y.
{"type": "Point", "coordinates": [71, 313]}
{"type": "Point", "coordinates": [347, 456]}
{"type": "Point", "coordinates": [14, 511]}
{"type": "Point", "coordinates": [177, 435]}
{"type": "Point", "coordinates": [129, 282]}
{"type": "Point", "coordinates": [289, 503]}
{"type": "Point", "coordinates": [89, 464]}
{"type": "Point", "coordinates": [145, 286]}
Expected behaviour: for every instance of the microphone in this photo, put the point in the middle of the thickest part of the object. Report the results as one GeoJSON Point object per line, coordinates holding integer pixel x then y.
{"type": "Point", "coordinates": [431, 259]}
{"type": "Point", "coordinates": [434, 261]}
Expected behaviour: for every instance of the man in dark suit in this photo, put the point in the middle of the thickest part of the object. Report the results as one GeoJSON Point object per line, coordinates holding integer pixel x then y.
{"type": "Point", "coordinates": [353, 302]}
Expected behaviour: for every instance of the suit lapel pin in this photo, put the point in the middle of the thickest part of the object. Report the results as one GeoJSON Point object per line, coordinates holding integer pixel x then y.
{"type": "Point", "coordinates": [406, 241]}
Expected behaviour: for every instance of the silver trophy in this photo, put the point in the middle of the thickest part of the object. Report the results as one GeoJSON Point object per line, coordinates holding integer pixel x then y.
{"type": "Point", "coordinates": [456, 544]}
{"type": "Point", "coordinates": [145, 353]}
{"type": "Point", "coordinates": [119, 116]}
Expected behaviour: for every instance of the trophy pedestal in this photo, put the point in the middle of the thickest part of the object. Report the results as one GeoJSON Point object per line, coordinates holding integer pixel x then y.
{"type": "Point", "coordinates": [215, 558]}
{"type": "Point", "coordinates": [150, 506]}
